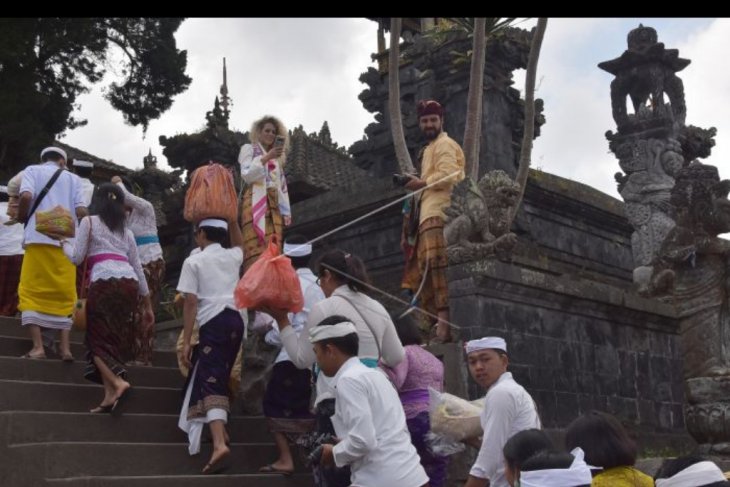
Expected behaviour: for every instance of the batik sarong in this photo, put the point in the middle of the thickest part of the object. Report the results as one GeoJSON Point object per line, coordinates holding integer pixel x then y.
{"type": "Point", "coordinates": [110, 313]}
{"type": "Point", "coordinates": [286, 400]}
{"type": "Point", "coordinates": [10, 266]}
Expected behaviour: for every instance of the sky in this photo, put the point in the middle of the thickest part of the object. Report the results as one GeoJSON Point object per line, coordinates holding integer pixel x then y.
{"type": "Point", "coordinates": [306, 71]}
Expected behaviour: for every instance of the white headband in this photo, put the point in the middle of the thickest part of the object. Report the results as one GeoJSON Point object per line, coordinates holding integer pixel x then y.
{"type": "Point", "coordinates": [79, 163]}
{"type": "Point", "coordinates": [577, 474]}
{"type": "Point", "coordinates": [213, 222]}
{"type": "Point", "coordinates": [700, 473]}
{"type": "Point", "coordinates": [54, 149]}
{"type": "Point", "coordinates": [485, 343]}
{"type": "Point", "coordinates": [3, 189]}
{"type": "Point", "coordinates": [297, 250]}
{"type": "Point", "coordinates": [319, 333]}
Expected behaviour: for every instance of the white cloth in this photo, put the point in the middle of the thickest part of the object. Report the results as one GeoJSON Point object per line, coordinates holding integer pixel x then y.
{"type": "Point", "coordinates": [65, 192]}
{"type": "Point", "coordinates": [143, 222]}
{"type": "Point", "coordinates": [104, 241]}
{"type": "Point", "coordinates": [45, 320]}
{"type": "Point", "coordinates": [319, 333]}
{"type": "Point", "coordinates": [701, 473]}
{"type": "Point", "coordinates": [297, 250]}
{"type": "Point", "coordinates": [54, 149]}
{"type": "Point", "coordinates": [371, 425]}
{"type": "Point", "coordinates": [508, 409]}
{"type": "Point", "coordinates": [485, 343]}
{"type": "Point", "coordinates": [194, 427]}
{"type": "Point", "coordinates": [577, 475]}
{"type": "Point", "coordinates": [312, 295]}
{"type": "Point", "coordinates": [213, 222]}
{"type": "Point", "coordinates": [87, 188]}
{"type": "Point", "coordinates": [300, 349]}
{"type": "Point", "coordinates": [211, 275]}
{"type": "Point", "coordinates": [11, 236]}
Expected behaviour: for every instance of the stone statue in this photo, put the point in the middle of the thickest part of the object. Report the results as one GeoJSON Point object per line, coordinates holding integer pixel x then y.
{"type": "Point", "coordinates": [478, 218]}
{"type": "Point", "coordinates": [696, 264]}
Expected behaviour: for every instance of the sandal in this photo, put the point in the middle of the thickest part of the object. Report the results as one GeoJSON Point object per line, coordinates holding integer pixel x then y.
{"type": "Point", "coordinates": [67, 358]}
{"type": "Point", "coordinates": [270, 468]}
{"type": "Point", "coordinates": [40, 356]}
{"type": "Point", "coordinates": [102, 409]}
{"type": "Point", "coordinates": [217, 466]}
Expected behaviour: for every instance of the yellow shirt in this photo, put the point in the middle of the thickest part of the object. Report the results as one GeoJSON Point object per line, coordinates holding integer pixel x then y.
{"type": "Point", "coordinates": [442, 157]}
{"type": "Point", "coordinates": [622, 477]}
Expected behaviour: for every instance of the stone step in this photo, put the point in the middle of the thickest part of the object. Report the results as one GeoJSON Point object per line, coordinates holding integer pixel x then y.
{"type": "Point", "coordinates": [48, 396]}
{"type": "Point", "coordinates": [240, 480]}
{"type": "Point", "coordinates": [87, 459]}
{"type": "Point", "coordinates": [21, 369]}
{"type": "Point", "coordinates": [38, 427]}
{"type": "Point", "coordinates": [15, 346]}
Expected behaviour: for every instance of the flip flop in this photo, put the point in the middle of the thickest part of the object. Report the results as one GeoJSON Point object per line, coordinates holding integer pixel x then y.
{"type": "Point", "coordinates": [33, 357]}
{"type": "Point", "coordinates": [218, 466]}
{"type": "Point", "coordinates": [270, 468]}
{"type": "Point", "coordinates": [102, 409]}
{"type": "Point", "coordinates": [67, 358]}
{"type": "Point", "coordinates": [116, 408]}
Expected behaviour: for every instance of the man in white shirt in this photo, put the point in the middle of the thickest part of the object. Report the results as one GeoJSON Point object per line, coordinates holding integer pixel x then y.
{"type": "Point", "coordinates": [289, 390]}
{"type": "Point", "coordinates": [11, 258]}
{"type": "Point", "coordinates": [508, 409]}
{"type": "Point", "coordinates": [208, 280]}
{"type": "Point", "coordinates": [47, 290]}
{"type": "Point", "coordinates": [369, 419]}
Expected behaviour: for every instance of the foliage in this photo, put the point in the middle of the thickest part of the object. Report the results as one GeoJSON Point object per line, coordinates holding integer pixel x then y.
{"type": "Point", "coordinates": [46, 63]}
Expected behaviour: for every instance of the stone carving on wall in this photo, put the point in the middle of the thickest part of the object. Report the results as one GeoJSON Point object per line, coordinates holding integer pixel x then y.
{"type": "Point", "coordinates": [692, 268]}
{"type": "Point", "coordinates": [478, 219]}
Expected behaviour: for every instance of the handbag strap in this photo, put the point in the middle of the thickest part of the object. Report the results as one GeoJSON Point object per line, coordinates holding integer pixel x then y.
{"type": "Point", "coordinates": [375, 337]}
{"type": "Point", "coordinates": [84, 276]}
{"type": "Point", "coordinates": [42, 194]}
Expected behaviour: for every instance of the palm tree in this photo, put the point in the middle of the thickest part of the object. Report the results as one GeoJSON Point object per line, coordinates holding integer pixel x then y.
{"type": "Point", "coordinates": [472, 130]}
{"type": "Point", "coordinates": [396, 121]}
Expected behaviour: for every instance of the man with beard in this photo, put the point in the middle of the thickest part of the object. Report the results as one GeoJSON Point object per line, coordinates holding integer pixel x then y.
{"type": "Point", "coordinates": [442, 167]}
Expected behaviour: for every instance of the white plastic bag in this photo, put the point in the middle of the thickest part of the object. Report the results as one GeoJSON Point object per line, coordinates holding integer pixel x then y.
{"type": "Point", "coordinates": [453, 420]}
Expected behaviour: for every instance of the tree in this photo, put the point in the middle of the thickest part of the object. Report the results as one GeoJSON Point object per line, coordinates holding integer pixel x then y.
{"type": "Point", "coordinates": [472, 129]}
{"type": "Point", "coordinates": [396, 120]}
{"type": "Point", "coordinates": [530, 77]}
{"type": "Point", "coordinates": [46, 63]}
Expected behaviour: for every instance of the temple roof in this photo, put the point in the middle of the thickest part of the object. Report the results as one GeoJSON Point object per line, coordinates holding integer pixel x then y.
{"type": "Point", "coordinates": [102, 167]}
{"type": "Point", "coordinates": [314, 167]}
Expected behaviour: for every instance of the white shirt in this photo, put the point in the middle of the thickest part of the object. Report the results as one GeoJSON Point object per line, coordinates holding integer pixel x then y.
{"type": "Point", "coordinates": [65, 192]}
{"type": "Point", "coordinates": [95, 238]}
{"type": "Point", "coordinates": [143, 222]}
{"type": "Point", "coordinates": [371, 425]}
{"type": "Point", "coordinates": [87, 188]}
{"type": "Point", "coordinates": [312, 295]}
{"type": "Point", "coordinates": [211, 275]}
{"type": "Point", "coordinates": [508, 409]}
{"type": "Point", "coordinates": [300, 349]}
{"type": "Point", "coordinates": [11, 236]}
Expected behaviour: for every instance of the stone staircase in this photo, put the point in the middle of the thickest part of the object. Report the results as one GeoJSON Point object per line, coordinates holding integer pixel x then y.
{"type": "Point", "coordinates": [48, 438]}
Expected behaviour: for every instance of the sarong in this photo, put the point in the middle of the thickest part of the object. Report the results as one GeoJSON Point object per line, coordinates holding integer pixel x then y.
{"type": "Point", "coordinates": [429, 257]}
{"type": "Point", "coordinates": [206, 389]}
{"type": "Point", "coordinates": [286, 400]}
{"type": "Point", "coordinates": [47, 287]}
{"type": "Point", "coordinates": [10, 266]}
{"type": "Point", "coordinates": [434, 465]}
{"type": "Point", "coordinates": [253, 247]}
{"type": "Point", "coordinates": [110, 309]}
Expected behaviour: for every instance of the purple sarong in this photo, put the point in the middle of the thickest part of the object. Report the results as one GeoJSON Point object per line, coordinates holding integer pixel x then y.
{"type": "Point", "coordinates": [434, 465]}
{"type": "Point", "coordinates": [215, 354]}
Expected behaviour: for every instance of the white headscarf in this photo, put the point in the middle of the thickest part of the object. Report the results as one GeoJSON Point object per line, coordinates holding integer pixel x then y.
{"type": "Point", "coordinates": [319, 333]}
{"type": "Point", "coordinates": [577, 474]}
{"type": "Point", "coordinates": [485, 343]}
{"type": "Point", "coordinates": [701, 473]}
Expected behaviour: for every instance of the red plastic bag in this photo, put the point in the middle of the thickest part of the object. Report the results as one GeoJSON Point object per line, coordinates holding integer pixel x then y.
{"type": "Point", "coordinates": [270, 282]}
{"type": "Point", "coordinates": [211, 194]}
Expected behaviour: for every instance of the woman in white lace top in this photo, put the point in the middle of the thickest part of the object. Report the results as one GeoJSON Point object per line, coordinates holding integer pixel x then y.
{"type": "Point", "coordinates": [117, 281]}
